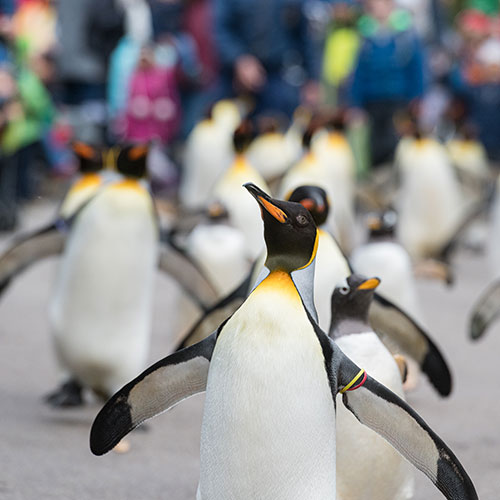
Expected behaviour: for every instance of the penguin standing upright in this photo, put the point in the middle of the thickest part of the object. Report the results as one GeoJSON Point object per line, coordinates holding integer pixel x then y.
{"type": "Point", "coordinates": [389, 260]}
{"type": "Point", "coordinates": [367, 465]}
{"type": "Point", "coordinates": [243, 214]}
{"type": "Point", "coordinates": [430, 201]}
{"type": "Point", "coordinates": [208, 153]}
{"type": "Point", "coordinates": [271, 376]}
{"type": "Point", "coordinates": [100, 312]}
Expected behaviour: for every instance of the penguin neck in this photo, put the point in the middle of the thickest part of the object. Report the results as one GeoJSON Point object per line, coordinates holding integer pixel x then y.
{"type": "Point", "coordinates": [240, 162]}
{"type": "Point", "coordinates": [347, 325]}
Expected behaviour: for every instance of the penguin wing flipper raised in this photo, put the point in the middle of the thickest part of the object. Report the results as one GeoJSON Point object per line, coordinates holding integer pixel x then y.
{"type": "Point", "coordinates": [187, 274]}
{"type": "Point", "coordinates": [401, 333]}
{"type": "Point", "coordinates": [28, 249]}
{"type": "Point", "coordinates": [389, 416]}
{"type": "Point", "coordinates": [485, 311]}
{"type": "Point", "coordinates": [159, 388]}
{"type": "Point", "coordinates": [217, 314]}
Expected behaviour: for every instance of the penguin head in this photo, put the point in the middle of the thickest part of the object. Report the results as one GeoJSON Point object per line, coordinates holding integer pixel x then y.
{"type": "Point", "coordinates": [289, 231]}
{"type": "Point", "coordinates": [90, 159]}
{"type": "Point", "coordinates": [382, 225]}
{"type": "Point", "coordinates": [131, 160]}
{"type": "Point", "coordinates": [314, 199]}
{"type": "Point", "coordinates": [351, 299]}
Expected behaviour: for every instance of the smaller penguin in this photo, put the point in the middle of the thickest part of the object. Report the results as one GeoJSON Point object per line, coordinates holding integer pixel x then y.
{"type": "Point", "coordinates": [377, 463]}
{"type": "Point", "coordinates": [208, 153]}
{"type": "Point", "coordinates": [485, 311]}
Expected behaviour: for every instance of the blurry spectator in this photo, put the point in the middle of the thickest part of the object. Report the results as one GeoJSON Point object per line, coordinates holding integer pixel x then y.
{"type": "Point", "coordinates": [479, 85]}
{"type": "Point", "coordinates": [389, 74]}
{"type": "Point", "coordinates": [267, 52]}
{"type": "Point", "coordinates": [88, 32]}
{"type": "Point", "coordinates": [341, 50]}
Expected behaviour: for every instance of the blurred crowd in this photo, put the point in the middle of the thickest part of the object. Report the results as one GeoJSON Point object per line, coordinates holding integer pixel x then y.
{"type": "Point", "coordinates": [107, 71]}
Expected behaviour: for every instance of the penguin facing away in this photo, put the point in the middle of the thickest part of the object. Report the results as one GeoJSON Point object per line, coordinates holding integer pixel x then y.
{"type": "Point", "coordinates": [364, 459]}
{"type": "Point", "coordinates": [271, 377]}
{"type": "Point", "coordinates": [399, 332]}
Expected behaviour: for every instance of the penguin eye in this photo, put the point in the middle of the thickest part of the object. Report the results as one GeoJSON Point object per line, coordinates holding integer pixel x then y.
{"type": "Point", "coordinates": [344, 290]}
{"type": "Point", "coordinates": [301, 220]}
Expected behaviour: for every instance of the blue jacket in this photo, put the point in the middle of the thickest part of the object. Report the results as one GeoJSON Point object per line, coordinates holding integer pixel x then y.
{"type": "Point", "coordinates": [7, 7]}
{"type": "Point", "coordinates": [274, 31]}
{"type": "Point", "coordinates": [390, 67]}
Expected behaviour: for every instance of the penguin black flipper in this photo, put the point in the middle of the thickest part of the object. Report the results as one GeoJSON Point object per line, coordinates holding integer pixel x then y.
{"type": "Point", "coordinates": [377, 407]}
{"type": "Point", "coordinates": [159, 388]}
{"type": "Point", "coordinates": [30, 248]}
{"type": "Point", "coordinates": [216, 314]}
{"type": "Point", "coordinates": [191, 279]}
{"type": "Point", "coordinates": [402, 334]}
{"type": "Point", "coordinates": [485, 311]}
{"type": "Point", "coordinates": [389, 416]}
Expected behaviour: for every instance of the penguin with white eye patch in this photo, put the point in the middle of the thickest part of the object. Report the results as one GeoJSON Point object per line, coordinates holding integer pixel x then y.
{"type": "Point", "coordinates": [271, 376]}
{"type": "Point", "coordinates": [367, 466]}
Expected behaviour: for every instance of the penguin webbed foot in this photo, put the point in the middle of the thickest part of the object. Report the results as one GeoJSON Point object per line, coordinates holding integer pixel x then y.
{"type": "Point", "coordinates": [68, 395]}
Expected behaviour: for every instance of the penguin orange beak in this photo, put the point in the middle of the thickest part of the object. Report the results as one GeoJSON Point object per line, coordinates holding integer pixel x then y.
{"type": "Point", "coordinates": [370, 284]}
{"type": "Point", "coordinates": [266, 202]}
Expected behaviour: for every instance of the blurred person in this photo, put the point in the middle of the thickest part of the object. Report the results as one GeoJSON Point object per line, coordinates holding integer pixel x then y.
{"type": "Point", "coordinates": [267, 53]}
{"type": "Point", "coordinates": [389, 74]}
{"type": "Point", "coordinates": [88, 32]}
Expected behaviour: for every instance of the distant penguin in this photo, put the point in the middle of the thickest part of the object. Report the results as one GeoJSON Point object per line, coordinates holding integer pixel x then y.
{"type": "Point", "coordinates": [100, 312]}
{"type": "Point", "coordinates": [243, 213]}
{"type": "Point", "coordinates": [208, 153]}
{"type": "Point", "coordinates": [384, 256]}
{"type": "Point", "coordinates": [430, 203]}
{"type": "Point", "coordinates": [271, 377]}
{"type": "Point", "coordinates": [328, 163]}
{"type": "Point", "coordinates": [367, 465]}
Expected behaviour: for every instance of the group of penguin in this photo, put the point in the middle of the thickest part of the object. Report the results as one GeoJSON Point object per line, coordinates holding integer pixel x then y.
{"type": "Point", "coordinates": [291, 412]}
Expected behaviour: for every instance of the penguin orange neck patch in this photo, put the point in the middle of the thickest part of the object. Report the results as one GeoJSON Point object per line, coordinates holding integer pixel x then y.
{"type": "Point", "coordinates": [353, 385]}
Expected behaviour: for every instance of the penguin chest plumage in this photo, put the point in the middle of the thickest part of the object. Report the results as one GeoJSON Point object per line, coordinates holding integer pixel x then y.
{"type": "Point", "coordinates": [269, 421]}
{"type": "Point", "coordinates": [81, 191]}
{"type": "Point", "coordinates": [101, 307]}
{"type": "Point", "coordinates": [368, 467]}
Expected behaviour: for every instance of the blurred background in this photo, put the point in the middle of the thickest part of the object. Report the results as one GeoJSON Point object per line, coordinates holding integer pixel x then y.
{"type": "Point", "coordinates": [411, 83]}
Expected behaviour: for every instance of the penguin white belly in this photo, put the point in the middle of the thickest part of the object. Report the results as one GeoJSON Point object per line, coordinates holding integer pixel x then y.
{"type": "Point", "coordinates": [269, 422]}
{"type": "Point", "coordinates": [207, 155]}
{"type": "Point", "coordinates": [431, 204]}
{"type": "Point", "coordinates": [391, 263]}
{"type": "Point", "coordinates": [368, 467]}
{"type": "Point", "coordinates": [101, 309]}
{"type": "Point", "coordinates": [331, 269]}
{"type": "Point", "coordinates": [81, 191]}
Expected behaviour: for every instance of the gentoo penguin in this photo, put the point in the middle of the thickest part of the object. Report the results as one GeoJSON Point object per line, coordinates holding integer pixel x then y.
{"type": "Point", "coordinates": [243, 214]}
{"type": "Point", "coordinates": [208, 153]}
{"type": "Point", "coordinates": [389, 260]}
{"type": "Point", "coordinates": [328, 162]}
{"type": "Point", "coordinates": [271, 376]}
{"type": "Point", "coordinates": [364, 459]}
{"type": "Point", "coordinates": [396, 328]}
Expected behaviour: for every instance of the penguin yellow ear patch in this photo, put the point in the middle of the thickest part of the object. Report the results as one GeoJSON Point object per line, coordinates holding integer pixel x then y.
{"type": "Point", "coordinates": [84, 150]}
{"type": "Point", "coordinates": [276, 212]}
{"type": "Point", "coordinates": [137, 152]}
{"type": "Point", "coordinates": [308, 203]}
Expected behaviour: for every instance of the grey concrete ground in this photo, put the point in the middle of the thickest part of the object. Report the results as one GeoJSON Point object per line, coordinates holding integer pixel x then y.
{"type": "Point", "coordinates": [44, 453]}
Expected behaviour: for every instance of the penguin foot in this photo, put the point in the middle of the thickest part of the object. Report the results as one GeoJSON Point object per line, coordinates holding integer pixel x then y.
{"type": "Point", "coordinates": [402, 366]}
{"type": "Point", "coordinates": [66, 396]}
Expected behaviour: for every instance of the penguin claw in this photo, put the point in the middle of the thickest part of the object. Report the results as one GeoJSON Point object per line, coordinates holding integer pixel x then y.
{"type": "Point", "coordinates": [67, 396]}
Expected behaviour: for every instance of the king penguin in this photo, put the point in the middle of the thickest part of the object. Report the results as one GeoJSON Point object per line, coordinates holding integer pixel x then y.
{"type": "Point", "coordinates": [100, 311]}
{"type": "Point", "coordinates": [367, 466]}
{"type": "Point", "coordinates": [271, 377]}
